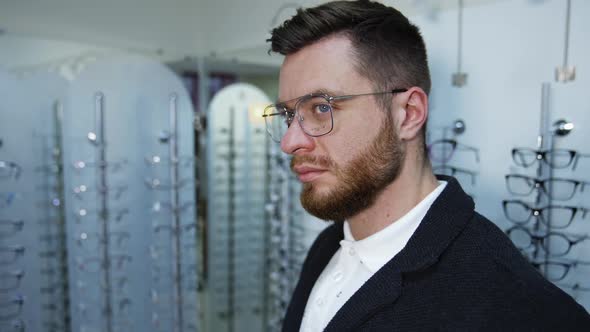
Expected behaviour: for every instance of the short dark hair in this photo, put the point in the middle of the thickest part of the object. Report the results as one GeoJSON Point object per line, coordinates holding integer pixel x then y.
{"type": "Point", "coordinates": [389, 49]}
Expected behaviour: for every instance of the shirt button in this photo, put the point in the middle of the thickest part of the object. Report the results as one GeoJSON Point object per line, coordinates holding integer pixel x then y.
{"type": "Point", "coordinates": [319, 302]}
{"type": "Point", "coordinates": [337, 276]}
{"type": "Point", "coordinates": [351, 251]}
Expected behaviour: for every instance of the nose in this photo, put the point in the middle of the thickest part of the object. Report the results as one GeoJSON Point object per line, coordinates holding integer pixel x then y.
{"type": "Point", "coordinates": [296, 139]}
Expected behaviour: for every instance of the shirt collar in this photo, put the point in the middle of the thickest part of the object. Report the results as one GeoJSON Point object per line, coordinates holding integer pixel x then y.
{"type": "Point", "coordinates": [379, 248]}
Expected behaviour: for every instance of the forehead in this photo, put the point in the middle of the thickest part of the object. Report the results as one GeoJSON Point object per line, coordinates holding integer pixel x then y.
{"type": "Point", "coordinates": [326, 65]}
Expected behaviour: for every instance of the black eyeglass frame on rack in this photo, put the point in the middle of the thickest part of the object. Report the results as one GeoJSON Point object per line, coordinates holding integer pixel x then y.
{"type": "Point", "coordinates": [545, 185]}
{"type": "Point", "coordinates": [541, 213]}
{"type": "Point", "coordinates": [449, 152]}
{"type": "Point", "coordinates": [546, 240]}
{"type": "Point", "coordinates": [526, 157]}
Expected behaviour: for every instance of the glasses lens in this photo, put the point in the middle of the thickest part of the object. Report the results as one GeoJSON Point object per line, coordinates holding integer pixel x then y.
{"type": "Point", "coordinates": [441, 151]}
{"type": "Point", "coordinates": [560, 217]}
{"type": "Point", "coordinates": [276, 122]}
{"type": "Point", "coordinates": [554, 271]}
{"type": "Point", "coordinates": [315, 115]}
{"type": "Point", "coordinates": [524, 157]}
{"type": "Point", "coordinates": [517, 212]}
{"type": "Point", "coordinates": [560, 190]}
{"type": "Point", "coordinates": [559, 158]}
{"type": "Point", "coordinates": [521, 238]}
{"type": "Point", "coordinates": [520, 185]}
{"type": "Point", "coordinates": [556, 244]}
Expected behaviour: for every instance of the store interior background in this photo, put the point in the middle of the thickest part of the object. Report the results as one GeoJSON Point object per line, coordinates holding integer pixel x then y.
{"type": "Point", "coordinates": [510, 49]}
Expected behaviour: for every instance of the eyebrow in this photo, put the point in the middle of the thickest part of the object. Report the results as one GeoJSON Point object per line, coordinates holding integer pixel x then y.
{"type": "Point", "coordinates": [320, 91]}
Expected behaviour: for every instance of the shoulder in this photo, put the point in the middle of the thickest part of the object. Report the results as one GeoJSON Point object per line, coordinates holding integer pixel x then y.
{"type": "Point", "coordinates": [501, 274]}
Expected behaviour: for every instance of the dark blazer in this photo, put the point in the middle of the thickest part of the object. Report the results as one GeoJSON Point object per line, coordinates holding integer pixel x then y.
{"type": "Point", "coordinates": [458, 272]}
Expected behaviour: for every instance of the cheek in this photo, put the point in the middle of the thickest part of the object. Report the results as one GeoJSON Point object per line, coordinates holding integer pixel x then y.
{"type": "Point", "coordinates": [348, 139]}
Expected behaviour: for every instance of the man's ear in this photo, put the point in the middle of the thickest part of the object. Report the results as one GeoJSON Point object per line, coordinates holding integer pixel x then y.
{"type": "Point", "coordinates": [416, 112]}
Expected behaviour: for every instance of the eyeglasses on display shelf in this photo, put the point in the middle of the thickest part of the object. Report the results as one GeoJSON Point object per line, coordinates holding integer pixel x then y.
{"type": "Point", "coordinates": [174, 229]}
{"type": "Point", "coordinates": [9, 254]}
{"type": "Point", "coordinates": [9, 227]}
{"type": "Point", "coordinates": [85, 215]}
{"type": "Point", "coordinates": [554, 243]}
{"type": "Point", "coordinates": [443, 150]}
{"type": "Point", "coordinates": [11, 307]}
{"type": "Point", "coordinates": [286, 250]}
{"type": "Point", "coordinates": [448, 155]}
{"type": "Point", "coordinates": [55, 304]}
{"type": "Point", "coordinates": [559, 189]}
{"type": "Point", "coordinates": [116, 263]}
{"type": "Point", "coordinates": [561, 216]}
{"type": "Point", "coordinates": [559, 270]}
{"type": "Point", "coordinates": [157, 184]}
{"type": "Point", "coordinates": [82, 191]}
{"type": "Point", "coordinates": [547, 186]}
{"type": "Point", "coordinates": [9, 170]}
{"type": "Point", "coordinates": [10, 280]}
{"type": "Point", "coordinates": [92, 242]}
{"type": "Point", "coordinates": [161, 161]}
{"type": "Point", "coordinates": [555, 158]}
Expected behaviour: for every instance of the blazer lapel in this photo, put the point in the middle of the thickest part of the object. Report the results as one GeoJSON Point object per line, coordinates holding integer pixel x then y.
{"type": "Point", "coordinates": [445, 219]}
{"type": "Point", "coordinates": [312, 268]}
{"type": "Point", "coordinates": [383, 288]}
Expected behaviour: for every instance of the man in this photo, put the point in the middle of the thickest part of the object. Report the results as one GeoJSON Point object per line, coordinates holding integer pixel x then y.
{"type": "Point", "coordinates": [407, 251]}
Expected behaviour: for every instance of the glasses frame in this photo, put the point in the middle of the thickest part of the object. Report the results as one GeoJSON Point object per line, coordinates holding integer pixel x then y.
{"type": "Point", "coordinates": [567, 267]}
{"type": "Point", "coordinates": [10, 280]}
{"type": "Point", "coordinates": [540, 212]}
{"type": "Point", "coordinates": [9, 227]}
{"type": "Point", "coordinates": [454, 146]}
{"type": "Point", "coordinates": [540, 239]}
{"type": "Point", "coordinates": [13, 170]}
{"type": "Point", "coordinates": [538, 183]}
{"type": "Point", "coordinates": [542, 155]}
{"type": "Point", "coordinates": [17, 251]}
{"type": "Point", "coordinates": [294, 112]}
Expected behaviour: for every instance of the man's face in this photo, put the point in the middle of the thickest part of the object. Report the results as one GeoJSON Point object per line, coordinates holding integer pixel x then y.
{"type": "Point", "coordinates": [342, 172]}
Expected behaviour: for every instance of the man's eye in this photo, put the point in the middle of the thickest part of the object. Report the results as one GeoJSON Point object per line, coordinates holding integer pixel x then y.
{"type": "Point", "coordinates": [323, 108]}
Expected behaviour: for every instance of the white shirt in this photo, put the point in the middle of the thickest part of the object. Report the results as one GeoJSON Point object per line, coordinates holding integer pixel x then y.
{"type": "Point", "coordinates": [357, 261]}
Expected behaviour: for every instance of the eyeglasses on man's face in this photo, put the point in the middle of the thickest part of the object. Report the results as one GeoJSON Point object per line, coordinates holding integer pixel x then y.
{"type": "Point", "coordinates": [314, 112]}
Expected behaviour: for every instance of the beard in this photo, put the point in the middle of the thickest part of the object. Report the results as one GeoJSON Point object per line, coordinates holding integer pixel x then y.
{"type": "Point", "coordinates": [359, 182]}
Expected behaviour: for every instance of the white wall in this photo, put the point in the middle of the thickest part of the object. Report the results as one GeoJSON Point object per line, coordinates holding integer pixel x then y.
{"type": "Point", "coordinates": [510, 48]}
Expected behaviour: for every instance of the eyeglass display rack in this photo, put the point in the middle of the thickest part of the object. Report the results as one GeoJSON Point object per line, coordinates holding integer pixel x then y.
{"type": "Point", "coordinates": [236, 183]}
{"type": "Point", "coordinates": [551, 244]}
{"type": "Point", "coordinates": [148, 193]}
{"type": "Point", "coordinates": [70, 176]}
{"type": "Point", "coordinates": [55, 268]}
{"type": "Point", "coordinates": [174, 231]}
{"type": "Point", "coordinates": [286, 233]}
{"type": "Point", "coordinates": [444, 150]}
{"type": "Point", "coordinates": [32, 283]}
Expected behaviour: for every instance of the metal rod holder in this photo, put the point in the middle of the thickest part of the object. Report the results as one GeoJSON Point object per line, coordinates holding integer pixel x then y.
{"type": "Point", "coordinates": [175, 212]}
{"type": "Point", "coordinates": [98, 139]}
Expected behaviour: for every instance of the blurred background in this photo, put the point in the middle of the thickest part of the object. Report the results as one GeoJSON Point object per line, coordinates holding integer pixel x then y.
{"type": "Point", "coordinates": [140, 192]}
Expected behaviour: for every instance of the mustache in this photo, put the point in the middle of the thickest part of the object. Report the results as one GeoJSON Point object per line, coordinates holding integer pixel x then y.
{"type": "Point", "coordinates": [320, 161]}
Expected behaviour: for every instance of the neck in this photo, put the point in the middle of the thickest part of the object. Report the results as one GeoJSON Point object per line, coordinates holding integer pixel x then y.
{"type": "Point", "coordinates": [413, 184]}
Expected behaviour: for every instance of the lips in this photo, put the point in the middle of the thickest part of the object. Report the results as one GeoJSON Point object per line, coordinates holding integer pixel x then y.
{"type": "Point", "coordinates": [308, 173]}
